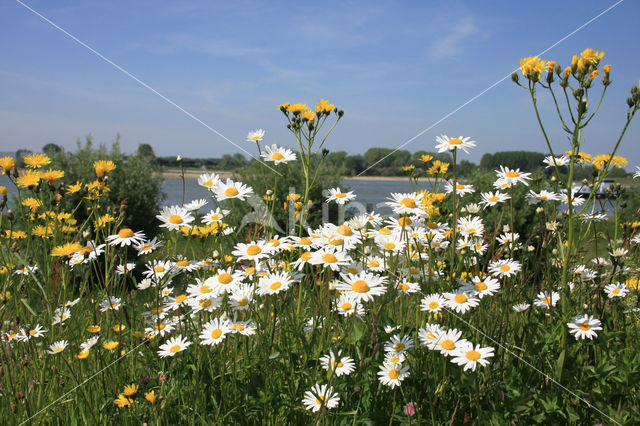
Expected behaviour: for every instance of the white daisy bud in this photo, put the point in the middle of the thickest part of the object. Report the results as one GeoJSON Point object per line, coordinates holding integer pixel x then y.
{"type": "Point", "coordinates": [539, 210]}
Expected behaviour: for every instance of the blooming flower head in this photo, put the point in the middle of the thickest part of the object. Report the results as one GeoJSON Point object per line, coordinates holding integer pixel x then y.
{"type": "Point", "coordinates": [512, 176]}
{"type": "Point", "coordinates": [175, 217]}
{"type": "Point", "coordinates": [584, 327]}
{"type": "Point", "coordinates": [469, 356]}
{"type": "Point", "coordinates": [125, 237]}
{"type": "Point", "coordinates": [35, 161]}
{"type": "Point", "coordinates": [504, 268]}
{"type": "Point", "coordinates": [392, 375]}
{"type": "Point", "coordinates": [255, 135]}
{"type": "Point", "coordinates": [547, 299]}
{"type": "Point", "coordinates": [215, 331]}
{"type": "Point", "coordinates": [340, 365]}
{"type": "Point", "coordinates": [278, 155]}
{"type": "Point", "coordinates": [57, 347]}
{"type": "Point", "coordinates": [230, 189]}
{"type": "Point", "coordinates": [173, 346]}
{"type": "Point", "coordinates": [616, 290]}
{"type": "Point", "coordinates": [335, 194]}
{"type": "Point", "coordinates": [532, 67]}
{"type": "Point", "coordinates": [320, 396]}
{"type": "Point", "coordinates": [445, 143]}
{"type": "Point", "coordinates": [363, 286]}
{"type": "Point", "coordinates": [103, 167]}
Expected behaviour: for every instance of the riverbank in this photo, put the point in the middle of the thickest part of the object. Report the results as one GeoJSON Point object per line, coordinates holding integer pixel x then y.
{"type": "Point", "coordinates": [192, 174]}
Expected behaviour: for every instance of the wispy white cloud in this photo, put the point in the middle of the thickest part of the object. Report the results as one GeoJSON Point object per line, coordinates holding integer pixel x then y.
{"type": "Point", "coordinates": [450, 44]}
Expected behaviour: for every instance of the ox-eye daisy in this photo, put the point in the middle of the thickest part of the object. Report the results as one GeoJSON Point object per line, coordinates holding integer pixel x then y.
{"type": "Point", "coordinates": [320, 396]}
{"type": "Point", "coordinates": [469, 356]}
{"type": "Point", "coordinates": [208, 181]}
{"type": "Point", "coordinates": [215, 331]}
{"type": "Point", "coordinates": [392, 374]}
{"type": "Point", "coordinates": [445, 143]}
{"type": "Point", "coordinates": [175, 217]}
{"type": "Point", "coordinates": [278, 154]}
{"type": "Point", "coordinates": [255, 250]}
{"type": "Point", "coordinates": [57, 347]}
{"type": "Point", "coordinates": [231, 189]}
{"type": "Point", "coordinates": [125, 237]}
{"type": "Point", "coordinates": [363, 286]}
{"type": "Point", "coordinates": [585, 327]}
{"type": "Point", "coordinates": [432, 303]}
{"type": "Point", "coordinates": [616, 290]}
{"type": "Point", "coordinates": [398, 344]}
{"type": "Point", "coordinates": [504, 268]}
{"type": "Point", "coordinates": [341, 365]}
{"type": "Point", "coordinates": [461, 301]}
{"type": "Point", "coordinates": [336, 194]}
{"type": "Point", "coordinates": [173, 346]}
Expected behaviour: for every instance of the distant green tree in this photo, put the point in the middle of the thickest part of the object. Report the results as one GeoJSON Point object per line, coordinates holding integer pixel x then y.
{"type": "Point", "coordinates": [51, 149]}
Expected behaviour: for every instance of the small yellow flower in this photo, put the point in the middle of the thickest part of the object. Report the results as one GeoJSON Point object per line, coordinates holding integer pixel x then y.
{"type": "Point", "coordinates": [119, 328]}
{"type": "Point", "coordinates": [297, 108]}
{"type": "Point", "coordinates": [309, 115]}
{"type": "Point", "coordinates": [123, 401]}
{"type": "Point", "coordinates": [29, 179]}
{"type": "Point", "coordinates": [532, 67]}
{"type": "Point", "coordinates": [150, 396]}
{"type": "Point", "coordinates": [131, 390]}
{"type": "Point", "coordinates": [66, 249]}
{"type": "Point", "coordinates": [3, 191]}
{"type": "Point", "coordinates": [425, 158]}
{"type": "Point", "coordinates": [51, 175]}
{"type": "Point", "coordinates": [74, 188]}
{"type": "Point", "coordinates": [7, 163]}
{"type": "Point", "coordinates": [591, 56]}
{"type": "Point", "coordinates": [32, 203]}
{"type": "Point", "coordinates": [438, 167]}
{"type": "Point", "coordinates": [102, 167]}
{"type": "Point", "coordinates": [110, 345]}
{"type": "Point", "coordinates": [284, 106]}
{"type": "Point", "coordinates": [324, 106]}
{"type": "Point", "coordinates": [408, 168]}
{"type": "Point", "coordinates": [103, 220]}
{"type": "Point", "coordinates": [83, 354]}
{"type": "Point", "coordinates": [35, 161]}
{"type": "Point", "coordinates": [606, 69]}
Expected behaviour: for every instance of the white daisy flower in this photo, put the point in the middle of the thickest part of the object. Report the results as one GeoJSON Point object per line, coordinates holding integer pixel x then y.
{"type": "Point", "coordinates": [175, 217]}
{"type": "Point", "coordinates": [469, 356]}
{"type": "Point", "coordinates": [215, 331]}
{"type": "Point", "coordinates": [585, 327]}
{"type": "Point", "coordinates": [125, 237]}
{"type": "Point", "coordinates": [278, 155]}
{"type": "Point", "coordinates": [208, 181]}
{"type": "Point", "coordinates": [461, 301]}
{"type": "Point", "coordinates": [335, 194]}
{"type": "Point", "coordinates": [341, 365]}
{"type": "Point", "coordinates": [195, 205]}
{"type": "Point", "coordinates": [392, 374]}
{"type": "Point", "coordinates": [320, 396]}
{"type": "Point", "coordinates": [433, 303]}
{"type": "Point", "coordinates": [231, 189]}
{"type": "Point", "coordinates": [57, 347]}
{"type": "Point", "coordinates": [215, 216]}
{"type": "Point", "coordinates": [255, 135]}
{"type": "Point", "coordinates": [363, 286]}
{"type": "Point", "coordinates": [616, 290]}
{"type": "Point", "coordinates": [445, 143]}
{"type": "Point", "coordinates": [546, 300]}
{"type": "Point", "coordinates": [173, 346]}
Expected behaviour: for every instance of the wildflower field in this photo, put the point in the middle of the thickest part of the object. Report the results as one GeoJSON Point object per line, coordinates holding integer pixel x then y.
{"type": "Point", "coordinates": [505, 301]}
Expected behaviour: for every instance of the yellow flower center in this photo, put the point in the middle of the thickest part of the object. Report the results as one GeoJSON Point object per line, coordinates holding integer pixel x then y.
{"type": "Point", "coordinates": [175, 219]}
{"type": "Point", "coordinates": [336, 364]}
{"type": "Point", "coordinates": [243, 302]}
{"type": "Point", "coordinates": [616, 291]}
{"type": "Point", "coordinates": [225, 278]}
{"type": "Point", "coordinates": [384, 231]}
{"type": "Point", "coordinates": [208, 183]}
{"type": "Point", "coordinates": [455, 141]}
{"type": "Point", "coordinates": [205, 303]}
{"type": "Point", "coordinates": [276, 285]}
{"type": "Point", "coordinates": [448, 345]}
{"type": "Point", "coordinates": [32, 332]}
{"type": "Point", "coordinates": [346, 306]}
{"type": "Point", "coordinates": [374, 263]}
{"type": "Point", "coordinates": [408, 202]}
{"type": "Point", "coordinates": [473, 355]}
{"type": "Point", "coordinates": [344, 230]}
{"type": "Point", "coordinates": [512, 174]}
{"type": "Point", "coordinates": [493, 199]}
{"type": "Point", "coordinates": [205, 289]}
{"type": "Point", "coordinates": [459, 186]}
{"type": "Point", "coordinates": [394, 373]}
{"type": "Point", "coordinates": [156, 311]}
{"type": "Point", "coordinates": [403, 286]}
{"type": "Point", "coordinates": [460, 298]}
{"type": "Point", "coordinates": [216, 333]}
{"type": "Point", "coordinates": [340, 195]}
{"type": "Point", "coordinates": [146, 247]}
{"type": "Point", "coordinates": [480, 286]}
{"type": "Point", "coordinates": [585, 326]}
{"type": "Point", "coordinates": [305, 241]}
{"type": "Point", "coordinates": [125, 233]}
{"type": "Point", "coordinates": [254, 250]}
{"type": "Point", "coordinates": [360, 286]}
{"type": "Point", "coordinates": [183, 262]}
{"type": "Point", "coordinates": [398, 347]}
{"type": "Point", "coordinates": [404, 221]}
{"type": "Point", "coordinates": [175, 348]}
{"type": "Point", "coordinates": [329, 258]}
{"type": "Point", "coordinates": [181, 298]}
{"type": "Point", "coordinates": [505, 268]}
{"type": "Point", "coordinates": [158, 269]}
{"type": "Point", "coordinates": [238, 327]}
{"type": "Point", "coordinates": [277, 156]}
{"type": "Point", "coordinates": [159, 327]}
{"type": "Point", "coordinates": [231, 192]}
{"type": "Point", "coordinates": [274, 242]}
{"type": "Point", "coordinates": [389, 246]}
{"type": "Point", "coordinates": [433, 305]}
{"type": "Point", "coordinates": [306, 255]}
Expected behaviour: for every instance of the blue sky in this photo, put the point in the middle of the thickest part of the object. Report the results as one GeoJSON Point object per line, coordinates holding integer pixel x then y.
{"type": "Point", "coordinates": [395, 67]}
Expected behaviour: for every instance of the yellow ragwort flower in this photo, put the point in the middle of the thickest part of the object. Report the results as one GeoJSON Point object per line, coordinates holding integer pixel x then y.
{"type": "Point", "coordinates": [51, 175]}
{"type": "Point", "coordinates": [29, 179]}
{"type": "Point", "coordinates": [66, 249]}
{"type": "Point", "coordinates": [309, 115]}
{"type": "Point", "coordinates": [35, 161]}
{"type": "Point", "coordinates": [150, 396]}
{"type": "Point", "coordinates": [102, 167]}
{"type": "Point", "coordinates": [297, 108]}
{"type": "Point", "coordinates": [591, 56]}
{"type": "Point", "coordinates": [532, 67]}
{"type": "Point", "coordinates": [123, 401]}
{"type": "Point", "coordinates": [425, 158]}
{"type": "Point", "coordinates": [131, 390]}
{"type": "Point", "coordinates": [7, 163]}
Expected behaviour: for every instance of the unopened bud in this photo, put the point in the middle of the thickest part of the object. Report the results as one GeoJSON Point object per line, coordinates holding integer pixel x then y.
{"type": "Point", "coordinates": [515, 77]}
{"type": "Point", "coordinates": [531, 248]}
{"type": "Point", "coordinates": [269, 192]}
{"type": "Point", "coordinates": [630, 102]}
{"type": "Point", "coordinates": [215, 254]}
{"type": "Point", "coordinates": [539, 210]}
{"type": "Point", "coordinates": [367, 250]}
{"type": "Point", "coordinates": [179, 158]}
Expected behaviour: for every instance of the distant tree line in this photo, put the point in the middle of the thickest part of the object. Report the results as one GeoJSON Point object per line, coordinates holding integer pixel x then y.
{"type": "Point", "coordinates": [374, 162]}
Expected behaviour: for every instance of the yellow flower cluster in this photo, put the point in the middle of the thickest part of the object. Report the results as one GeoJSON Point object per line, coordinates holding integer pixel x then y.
{"type": "Point", "coordinates": [102, 167]}
{"type": "Point", "coordinates": [532, 67]}
{"type": "Point", "coordinates": [600, 160]}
